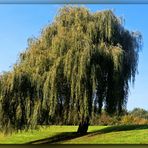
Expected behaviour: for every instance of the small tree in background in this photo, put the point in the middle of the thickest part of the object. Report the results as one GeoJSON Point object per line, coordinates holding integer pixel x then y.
{"type": "Point", "coordinates": [80, 62]}
{"type": "Point", "coordinates": [139, 112]}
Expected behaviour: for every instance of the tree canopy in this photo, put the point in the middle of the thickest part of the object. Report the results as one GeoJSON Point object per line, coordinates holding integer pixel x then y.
{"type": "Point", "coordinates": [81, 62]}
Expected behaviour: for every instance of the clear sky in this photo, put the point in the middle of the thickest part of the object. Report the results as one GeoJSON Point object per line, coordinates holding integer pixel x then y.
{"type": "Point", "coordinates": [20, 22]}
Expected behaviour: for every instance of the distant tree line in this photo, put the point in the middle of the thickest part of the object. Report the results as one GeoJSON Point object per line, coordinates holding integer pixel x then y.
{"type": "Point", "coordinates": [135, 116]}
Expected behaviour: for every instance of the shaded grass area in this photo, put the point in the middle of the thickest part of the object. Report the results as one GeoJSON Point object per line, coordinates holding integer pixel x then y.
{"type": "Point", "coordinates": [32, 135]}
{"type": "Point", "coordinates": [113, 134]}
{"type": "Point", "coordinates": [120, 128]}
{"type": "Point", "coordinates": [43, 132]}
{"type": "Point", "coordinates": [122, 137]}
{"type": "Point", "coordinates": [61, 137]}
{"type": "Point", "coordinates": [125, 134]}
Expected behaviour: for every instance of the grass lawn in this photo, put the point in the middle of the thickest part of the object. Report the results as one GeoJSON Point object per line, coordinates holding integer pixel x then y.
{"type": "Point", "coordinates": [130, 134]}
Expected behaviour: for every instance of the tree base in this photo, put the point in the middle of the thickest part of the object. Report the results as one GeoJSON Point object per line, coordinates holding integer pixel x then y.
{"type": "Point", "coordinates": [82, 129]}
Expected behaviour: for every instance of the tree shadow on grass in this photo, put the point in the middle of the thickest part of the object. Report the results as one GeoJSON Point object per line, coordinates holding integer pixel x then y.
{"type": "Point", "coordinates": [60, 137]}
{"type": "Point", "coordinates": [119, 128]}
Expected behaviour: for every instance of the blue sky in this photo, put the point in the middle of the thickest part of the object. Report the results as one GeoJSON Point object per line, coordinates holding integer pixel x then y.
{"type": "Point", "coordinates": [20, 22]}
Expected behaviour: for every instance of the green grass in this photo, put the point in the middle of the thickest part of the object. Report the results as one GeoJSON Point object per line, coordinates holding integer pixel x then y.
{"type": "Point", "coordinates": [129, 134]}
{"type": "Point", "coordinates": [114, 135]}
{"type": "Point", "coordinates": [32, 135]}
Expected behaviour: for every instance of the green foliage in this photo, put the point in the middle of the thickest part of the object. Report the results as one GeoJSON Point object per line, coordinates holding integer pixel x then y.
{"type": "Point", "coordinates": [130, 119]}
{"type": "Point", "coordinates": [133, 117]}
{"type": "Point", "coordinates": [139, 112]}
{"type": "Point", "coordinates": [80, 62]}
{"type": "Point", "coordinates": [105, 119]}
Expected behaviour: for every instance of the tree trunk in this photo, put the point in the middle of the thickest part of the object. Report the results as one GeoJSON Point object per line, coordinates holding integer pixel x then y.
{"type": "Point", "coordinates": [83, 127]}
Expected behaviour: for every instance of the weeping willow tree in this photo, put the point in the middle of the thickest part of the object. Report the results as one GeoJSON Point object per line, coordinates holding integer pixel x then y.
{"type": "Point", "coordinates": [82, 62]}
